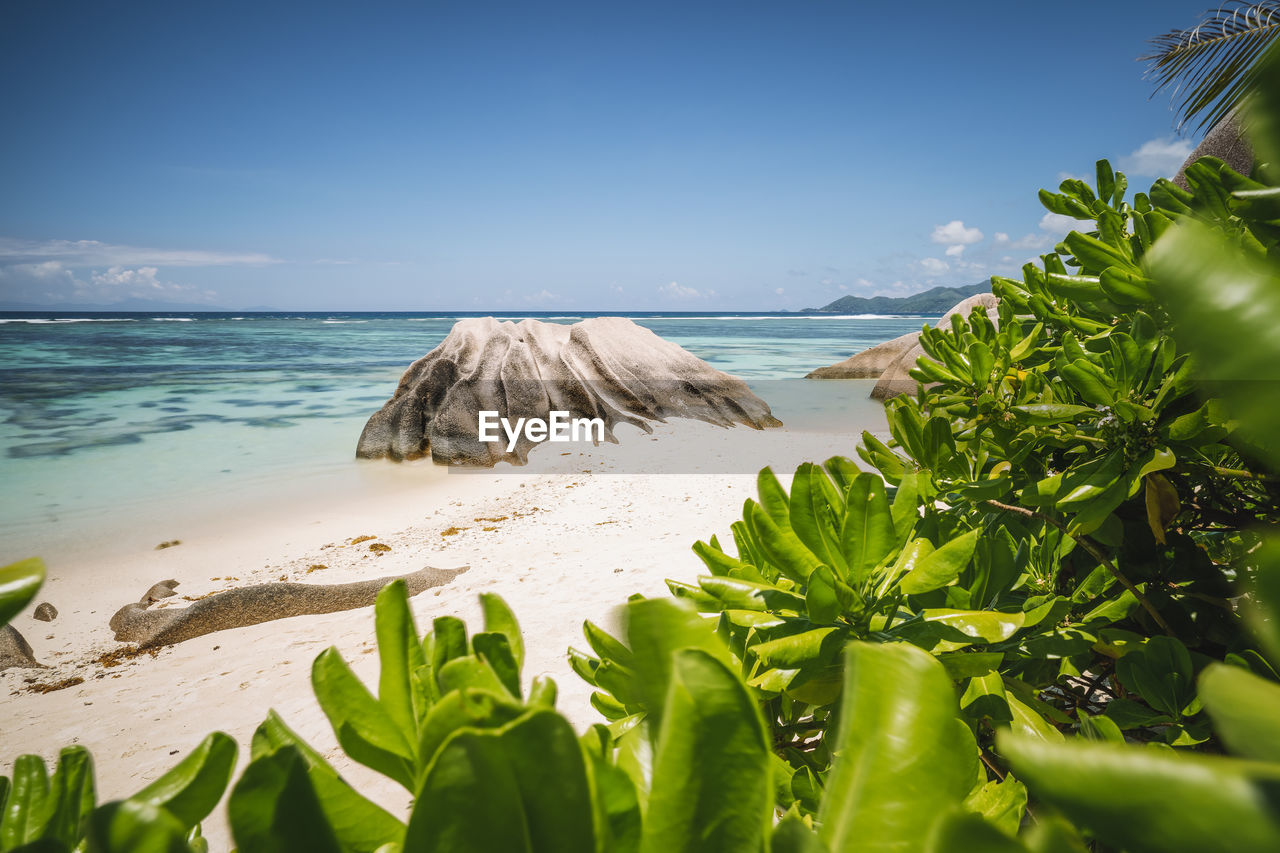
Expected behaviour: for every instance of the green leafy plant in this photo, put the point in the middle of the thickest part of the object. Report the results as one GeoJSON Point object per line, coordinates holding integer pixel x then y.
{"type": "Point", "coordinates": [1061, 515]}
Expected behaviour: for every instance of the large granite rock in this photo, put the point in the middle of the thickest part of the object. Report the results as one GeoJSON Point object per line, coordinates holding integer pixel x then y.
{"type": "Point", "coordinates": [1228, 142]}
{"type": "Point", "coordinates": [896, 378]}
{"type": "Point", "coordinates": [870, 363]}
{"type": "Point", "coordinates": [606, 367]}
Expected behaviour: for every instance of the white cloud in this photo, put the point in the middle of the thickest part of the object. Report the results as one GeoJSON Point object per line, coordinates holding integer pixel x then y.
{"type": "Point", "coordinates": [954, 251]}
{"type": "Point", "coordinates": [1035, 241]}
{"type": "Point", "coordinates": [897, 288]}
{"type": "Point", "coordinates": [86, 253]}
{"type": "Point", "coordinates": [934, 266]}
{"type": "Point", "coordinates": [954, 232]}
{"type": "Point", "coordinates": [1159, 158]}
{"type": "Point", "coordinates": [541, 297]}
{"type": "Point", "coordinates": [51, 282]}
{"type": "Point", "coordinates": [674, 290]}
{"type": "Point", "coordinates": [1057, 225]}
{"type": "Point", "coordinates": [780, 291]}
{"type": "Point", "coordinates": [616, 288]}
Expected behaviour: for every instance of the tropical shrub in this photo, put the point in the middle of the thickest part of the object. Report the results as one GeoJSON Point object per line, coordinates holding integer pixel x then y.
{"type": "Point", "coordinates": [491, 770]}
{"type": "Point", "coordinates": [1063, 513]}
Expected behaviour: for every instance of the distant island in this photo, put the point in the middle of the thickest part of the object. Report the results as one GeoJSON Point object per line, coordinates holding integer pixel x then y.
{"type": "Point", "coordinates": [933, 301]}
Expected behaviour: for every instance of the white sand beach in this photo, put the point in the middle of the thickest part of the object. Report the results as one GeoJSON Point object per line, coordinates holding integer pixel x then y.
{"type": "Point", "coordinates": [565, 539]}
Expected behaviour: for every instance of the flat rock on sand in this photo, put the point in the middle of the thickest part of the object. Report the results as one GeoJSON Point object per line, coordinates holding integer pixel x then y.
{"type": "Point", "coordinates": [606, 367]}
{"type": "Point", "coordinates": [236, 608]}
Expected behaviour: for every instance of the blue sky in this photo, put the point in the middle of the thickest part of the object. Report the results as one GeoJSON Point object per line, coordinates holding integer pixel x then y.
{"type": "Point", "coordinates": [607, 156]}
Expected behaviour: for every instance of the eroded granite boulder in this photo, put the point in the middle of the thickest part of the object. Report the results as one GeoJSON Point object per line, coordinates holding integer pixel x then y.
{"type": "Point", "coordinates": [606, 367]}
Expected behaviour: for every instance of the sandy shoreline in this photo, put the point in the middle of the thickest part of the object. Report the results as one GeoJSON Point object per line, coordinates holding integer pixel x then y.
{"type": "Point", "coordinates": [566, 539]}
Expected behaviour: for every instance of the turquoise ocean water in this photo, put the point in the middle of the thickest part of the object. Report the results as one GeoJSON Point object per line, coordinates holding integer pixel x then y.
{"type": "Point", "coordinates": [108, 418]}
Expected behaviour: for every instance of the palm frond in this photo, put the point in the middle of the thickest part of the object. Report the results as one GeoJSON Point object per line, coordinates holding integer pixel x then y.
{"type": "Point", "coordinates": [1213, 65]}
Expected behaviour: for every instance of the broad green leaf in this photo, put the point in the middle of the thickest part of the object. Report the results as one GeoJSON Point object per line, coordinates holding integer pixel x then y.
{"type": "Point", "coordinates": [812, 518]}
{"type": "Point", "coordinates": [543, 692]}
{"type": "Point", "coordinates": [964, 832]}
{"type": "Point", "coordinates": [1028, 721]}
{"type": "Point", "coordinates": [868, 536]}
{"type": "Point", "coordinates": [773, 498]}
{"type": "Point", "coordinates": [614, 796]}
{"type": "Point", "coordinates": [498, 619]}
{"type": "Point", "coordinates": [363, 727]}
{"type": "Point", "coordinates": [132, 826]}
{"type": "Point", "coordinates": [1099, 728]}
{"type": "Point", "coordinates": [1149, 801]}
{"type": "Point", "coordinates": [781, 546]}
{"type": "Point", "coordinates": [1053, 413]}
{"type": "Point", "coordinates": [495, 650]}
{"type": "Point", "coordinates": [906, 506]}
{"type": "Point", "coordinates": [1222, 296]}
{"type": "Point", "coordinates": [942, 566]}
{"type": "Point", "coordinates": [192, 789]}
{"type": "Point", "coordinates": [912, 555]}
{"type": "Point", "coordinates": [961, 665]}
{"type": "Point", "coordinates": [1052, 834]}
{"type": "Point", "coordinates": [530, 774]}
{"type": "Point", "coordinates": [656, 629]}
{"type": "Point", "coordinates": [1002, 803]}
{"type": "Point", "coordinates": [605, 645]}
{"type": "Point", "coordinates": [792, 836]}
{"type": "Point", "coordinates": [26, 804]}
{"type": "Point", "coordinates": [19, 583]}
{"type": "Point", "coordinates": [462, 709]}
{"type": "Point", "coordinates": [274, 807]}
{"type": "Point", "coordinates": [1244, 710]}
{"type": "Point", "coordinates": [711, 774]}
{"type": "Point", "coordinates": [1090, 382]}
{"type": "Point", "coordinates": [808, 648]}
{"type": "Point", "coordinates": [471, 673]}
{"type": "Point", "coordinates": [449, 641]}
{"type": "Point", "coordinates": [359, 825]}
{"type": "Point", "coordinates": [715, 559]}
{"type": "Point", "coordinates": [898, 751]}
{"type": "Point", "coordinates": [1161, 672]}
{"type": "Point", "coordinates": [984, 696]}
{"type": "Point", "coordinates": [71, 798]}
{"type": "Point", "coordinates": [399, 654]}
{"type": "Point", "coordinates": [1127, 714]}
{"type": "Point", "coordinates": [988, 625]}
{"type": "Point", "coordinates": [820, 597]}
{"type": "Point", "coordinates": [1263, 609]}
{"type": "Point", "coordinates": [738, 594]}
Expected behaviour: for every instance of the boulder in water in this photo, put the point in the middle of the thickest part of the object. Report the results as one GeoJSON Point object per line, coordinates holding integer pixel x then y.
{"type": "Point", "coordinates": [606, 367]}
{"type": "Point", "coordinates": [870, 363]}
{"type": "Point", "coordinates": [897, 377]}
